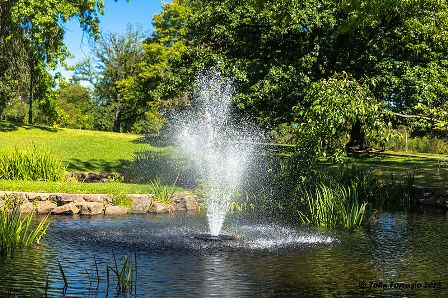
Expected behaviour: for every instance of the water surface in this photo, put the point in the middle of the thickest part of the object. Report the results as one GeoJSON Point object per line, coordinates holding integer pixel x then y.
{"type": "Point", "coordinates": [263, 259]}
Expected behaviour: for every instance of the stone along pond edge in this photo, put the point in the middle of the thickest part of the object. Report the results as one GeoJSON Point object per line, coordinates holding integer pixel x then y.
{"type": "Point", "coordinates": [98, 204]}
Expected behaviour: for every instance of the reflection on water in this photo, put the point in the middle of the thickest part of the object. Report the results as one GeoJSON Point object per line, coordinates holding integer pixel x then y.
{"type": "Point", "coordinates": [262, 259]}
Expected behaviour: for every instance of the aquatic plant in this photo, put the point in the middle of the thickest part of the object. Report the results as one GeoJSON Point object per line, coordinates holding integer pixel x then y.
{"type": "Point", "coordinates": [334, 207]}
{"type": "Point", "coordinates": [31, 164]}
{"type": "Point", "coordinates": [16, 231]}
{"type": "Point", "coordinates": [126, 276]}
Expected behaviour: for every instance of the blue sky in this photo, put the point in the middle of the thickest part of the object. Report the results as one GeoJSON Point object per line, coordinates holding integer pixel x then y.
{"type": "Point", "coordinates": [116, 18]}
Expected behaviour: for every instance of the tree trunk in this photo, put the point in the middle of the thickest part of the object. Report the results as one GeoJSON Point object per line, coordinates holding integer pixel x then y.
{"type": "Point", "coordinates": [117, 120]}
{"type": "Point", "coordinates": [357, 137]}
{"type": "Point", "coordinates": [30, 99]}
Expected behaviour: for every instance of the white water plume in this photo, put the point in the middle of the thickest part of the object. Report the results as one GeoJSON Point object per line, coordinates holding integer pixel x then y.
{"type": "Point", "coordinates": [220, 149]}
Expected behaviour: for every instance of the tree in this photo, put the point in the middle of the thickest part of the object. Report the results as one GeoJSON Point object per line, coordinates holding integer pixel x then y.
{"type": "Point", "coordinates": [31, 32]}
{"type": "Point", "coordinates": [76, 106]}
{"type": "Point", "coordinates": [113, 74]}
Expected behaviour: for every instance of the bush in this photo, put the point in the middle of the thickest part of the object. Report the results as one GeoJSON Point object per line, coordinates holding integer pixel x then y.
{"type": "Point", "coordinates": [31, 164]}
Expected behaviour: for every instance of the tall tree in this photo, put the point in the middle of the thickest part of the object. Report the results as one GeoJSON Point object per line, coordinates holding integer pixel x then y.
{"type": "Point", "coordinates": [112, 72]}
{"type": "Point", "coordinates": [32, 33]}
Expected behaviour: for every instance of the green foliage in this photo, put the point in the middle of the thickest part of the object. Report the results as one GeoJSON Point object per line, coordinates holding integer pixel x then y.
{"type": "Point", "coordinates": [334, 207]}
{"type": "Point", "coordinates": [113, 72]}
{"type": "Point", "coordinates": [16, 231]}
{"type": "Point", "coordinates": [31, 164]}
{"type": "Point", "coordinates": [76, 107]}
{"type": "Point", "coordinates": [122, 200]}
{"type": "Point", "coordinates": [161, 192]}
{"type": "Point", "coordinates": [328, 113]}
{"type": "Point", "coordinates": [31, 42]}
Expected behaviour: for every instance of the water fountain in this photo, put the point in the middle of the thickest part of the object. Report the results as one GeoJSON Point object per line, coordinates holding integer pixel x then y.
{"type": "Point", "coordinates": [220, 149]}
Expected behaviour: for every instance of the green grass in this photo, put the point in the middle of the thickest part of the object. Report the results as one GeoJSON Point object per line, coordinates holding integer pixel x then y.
{"type": "Point", "coordinates": [427, 171]}
{"type": "Point", "coordinates": [82, 150]}
{"type": "Point", "coordinates": [75, 187]}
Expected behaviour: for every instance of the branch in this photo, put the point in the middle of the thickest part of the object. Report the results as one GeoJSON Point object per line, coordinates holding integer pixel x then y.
{"type": "Point", "coordinates": [416, 116]}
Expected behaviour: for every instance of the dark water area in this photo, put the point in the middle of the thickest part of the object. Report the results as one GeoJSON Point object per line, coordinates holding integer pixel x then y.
{"type": "Point", "coordinates": [397, 254]}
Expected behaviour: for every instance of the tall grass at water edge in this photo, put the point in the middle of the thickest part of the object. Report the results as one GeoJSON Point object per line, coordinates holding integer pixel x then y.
{"type": "Point", "coordinates": [334, 207]}
{"type": "Point", "coordinates": [16, 231]}
{"type": "Point", "coordinates": [31, 164]}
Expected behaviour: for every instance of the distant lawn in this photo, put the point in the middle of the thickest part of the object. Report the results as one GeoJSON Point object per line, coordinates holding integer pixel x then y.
{"type": "Point", "coordinates": [75, 187]}
{"type": "Point", "coordinates": [428, 171]}
{"type": "Point", "coordinates": [82, 150]}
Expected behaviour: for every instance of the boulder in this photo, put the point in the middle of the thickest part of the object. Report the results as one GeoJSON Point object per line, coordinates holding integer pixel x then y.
{"type": "Point", "coordinates": [115, 210]}
{"type": "Point", "coordinates": [67, 209]}
{"type": "Point", "coordinates": [45, 207]}
{"type": "Point", "coordinates": [1, 203]}
{"type": "Point", "coordinates": [27, 207]}
{"type": "Point", "coordinates": [66, 198]}
{"type": "Point", "coordinates": [159, 207]}
{"type": "Point", "coordinates": [140, 203]}
{"type": "Point", "coordinates": [184, 201]}
{"type": "Point", "coordinates": [90, 208]}
{"type": "Point", "coordinates": [37, 196]}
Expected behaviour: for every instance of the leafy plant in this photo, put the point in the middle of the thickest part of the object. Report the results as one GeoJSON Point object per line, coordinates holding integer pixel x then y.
{"type": "Point", "coordinates": [334, 207]}
{"type": "Point", "coordinates": [16, 232]}
{"type": "Point", "coordinates": [31, 164]}
{"type": "Point", "coordinates": [162, 193]}
{"type": "Point", "coordinates": [122, 200]}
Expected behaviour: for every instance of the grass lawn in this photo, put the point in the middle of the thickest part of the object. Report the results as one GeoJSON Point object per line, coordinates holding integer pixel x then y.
{"type": "Point", "coordinates": [428, 171]}
{"type": "Point", "coordinates": [75, 187]}
{"type": "Point", "coordinates": [82, 150]}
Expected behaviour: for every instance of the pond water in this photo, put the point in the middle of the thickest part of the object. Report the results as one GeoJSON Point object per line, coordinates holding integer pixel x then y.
{"type": "Point", "coordinates": [397, 254]}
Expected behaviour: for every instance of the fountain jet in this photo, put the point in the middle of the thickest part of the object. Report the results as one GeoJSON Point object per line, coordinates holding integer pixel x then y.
{"type": "Point", "coordinates": [220, 148]}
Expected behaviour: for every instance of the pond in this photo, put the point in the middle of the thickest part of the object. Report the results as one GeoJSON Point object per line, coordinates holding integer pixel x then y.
{"type": "Point", "coordinates": [401, 253]}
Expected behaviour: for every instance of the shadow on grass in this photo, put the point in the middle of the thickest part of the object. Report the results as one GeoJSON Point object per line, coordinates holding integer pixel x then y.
{"type": "Point", "coordinates": [170, 167]}
{"type": "Point", "coordinates": [427, 172]}
{"type": "Point", "coordinates": [13, 126]}
{"type": "Point", "coordinates": [155, 140]}
{"type": "Point", "coordinates": [96, 165]}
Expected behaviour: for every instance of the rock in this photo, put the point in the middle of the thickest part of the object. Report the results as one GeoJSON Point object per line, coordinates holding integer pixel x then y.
{"type": "Point", "coordinates": [90, 208]}
{"type": "Point", "coordinates": [27, 207]}
{"type": "Point", "coordinates": [66, 198]}
{"type": "Point", "coordinates": [115, 210]}
{"type": "Point", "coordinates": [87, 177]}
{"type": "Point", "coordinates": [67, 209]}
{"type": "Point", "coordinates": [184, 201]}
{"type": "Point", "coordinates": [1, 203]}
{"type": "Point", "coordinates": [37, 196]}
{"type": "Point", "coordinates": [140, 203]}
{"type": "Point", "coordinates": [159, 207]}
{"type": "Point", "coordinates": [45, 207]}
{"type": "Point", "coordinates": [98, 198]}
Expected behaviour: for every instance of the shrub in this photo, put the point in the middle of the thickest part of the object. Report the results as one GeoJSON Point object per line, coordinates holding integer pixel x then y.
{"type": "Point", "coordinates": [31, 164]}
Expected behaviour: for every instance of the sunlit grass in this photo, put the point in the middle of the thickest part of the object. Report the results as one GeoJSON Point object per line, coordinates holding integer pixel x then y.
{"type": "Point", "coordinates": [82, 150]}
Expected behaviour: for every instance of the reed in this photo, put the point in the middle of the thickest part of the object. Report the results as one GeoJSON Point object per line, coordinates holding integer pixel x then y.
{"type": "Point", "coordinates": [31, 164]}
{"type": "Point", "coordinates": [124, 275]}
{"type": "Point", "coordinates": [333, 207]}
{"type": "Point", "coordinates": [16, 231]}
